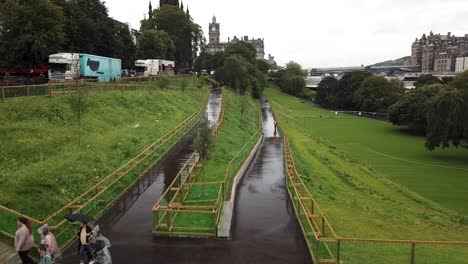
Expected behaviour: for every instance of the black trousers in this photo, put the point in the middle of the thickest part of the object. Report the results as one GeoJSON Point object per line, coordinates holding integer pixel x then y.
{"type": "Point", "coordinates": [25, 258]}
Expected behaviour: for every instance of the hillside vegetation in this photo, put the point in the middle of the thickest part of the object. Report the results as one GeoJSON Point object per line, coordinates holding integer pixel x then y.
{"type": "Point", "coordinates": [42, 167]}
{"type": "Point", "coordinates": [371, 179]}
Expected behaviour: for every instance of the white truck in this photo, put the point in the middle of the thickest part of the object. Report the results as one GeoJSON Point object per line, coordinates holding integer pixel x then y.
{"type": "Point", "coordinates": [154, 67]}
{"type": "Point", "coordinates": [70, 66]}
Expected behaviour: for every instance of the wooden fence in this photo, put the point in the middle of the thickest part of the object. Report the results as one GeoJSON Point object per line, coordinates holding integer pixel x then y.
{"type": "Point", "coordinates": [66, 88]}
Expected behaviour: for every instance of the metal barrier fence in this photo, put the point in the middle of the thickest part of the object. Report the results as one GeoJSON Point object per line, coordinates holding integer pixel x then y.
{"type": "Point", "coordinates": [101, 196]}
{"type": "Point", "coordinates": [181, 201]}
{"type": "Point", "coordinates": [325, 246]}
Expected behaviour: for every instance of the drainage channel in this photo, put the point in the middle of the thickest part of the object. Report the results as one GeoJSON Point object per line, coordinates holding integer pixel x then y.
{"type": "Point", "coordinates": [265, 229]}
{"type": "Point", "coordinates": [128, 224]}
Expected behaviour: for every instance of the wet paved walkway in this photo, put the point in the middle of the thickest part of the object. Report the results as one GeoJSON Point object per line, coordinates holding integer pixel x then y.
{"type": "Point", "coordinates": [265, 229]}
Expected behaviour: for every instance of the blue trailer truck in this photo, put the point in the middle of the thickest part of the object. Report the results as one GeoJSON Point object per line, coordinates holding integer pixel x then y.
{"type": "Point", "coordinates": [72, 66]}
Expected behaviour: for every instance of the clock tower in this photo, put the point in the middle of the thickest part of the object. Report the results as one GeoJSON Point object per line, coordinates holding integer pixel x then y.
{"type": "Point", "coordinates": [214, 33]}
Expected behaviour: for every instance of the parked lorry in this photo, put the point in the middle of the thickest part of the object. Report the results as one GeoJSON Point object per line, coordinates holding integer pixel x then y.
{"type": "Point", "coordinates": [154, 67]}
{"type": "Point", "coordinates": [72, 66]}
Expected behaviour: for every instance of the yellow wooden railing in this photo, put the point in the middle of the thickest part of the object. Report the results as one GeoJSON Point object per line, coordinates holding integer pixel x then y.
{"type": "Point", "coordinates": [102, 195]}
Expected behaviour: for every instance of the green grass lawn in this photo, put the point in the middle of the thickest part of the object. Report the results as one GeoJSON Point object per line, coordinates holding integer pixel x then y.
{"type": "Point", "coordinates": [229, 142]}
{"type": "Point", "coordinates": [374, 180]}
{"type": "Point", "coordinates": [42, 167]}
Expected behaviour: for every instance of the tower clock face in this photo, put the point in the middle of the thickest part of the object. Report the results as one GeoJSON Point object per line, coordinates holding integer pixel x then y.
{"type": "Point", "coordinates": [213, 28]}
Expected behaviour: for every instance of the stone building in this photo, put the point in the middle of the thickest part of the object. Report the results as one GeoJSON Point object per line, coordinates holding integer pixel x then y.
{"type": "Point", "coordinates": [438, 53]}
{"type": "Point", "coordinates": [215, 45]}
{"type": "Point", "coordinates": [462, 63]}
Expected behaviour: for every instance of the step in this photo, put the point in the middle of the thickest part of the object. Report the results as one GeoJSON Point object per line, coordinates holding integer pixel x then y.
{"type": "Point", "coordinates": [8, 255]}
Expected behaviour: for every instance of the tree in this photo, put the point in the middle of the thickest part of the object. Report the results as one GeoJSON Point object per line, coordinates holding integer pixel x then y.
{"type": "Point", "coordinates": [427, 79]}
{"type": "Point", "coordinates": [89, 29]}
{"type": "Point", "coordinates": [244, 106]}
{"type": "Point", "coordinates": [154, 44]}
{"type": "Point", "coordinates": [203, 144]}
{"type": "Point", "coordinates": [325, 92]}
{"type": "Point", "coordinates": [187, 35]}
{"type": "Point", "coordinates": [376, 94]}
{"type": "Point", "coordinates": [291, 79]}
{"type": "Point", "coordinates": [209, 62]}
{"type": "Point", "coordinates": [30, 30]}
{"type": "Point", "coordinates": [461, 82]}
{"type": "Point", "coordinates": [347, 86]}
{"type": "Point", "coordinates": [123, 46]}
{"type": "Point", "coordinates": [184, 83]}
{"type": "Point", "coordinates": [445, 120]}
{"type": "Point", "coordinates": [235, 73]}
{"type": "Point", "coordinates": [411, 109]}
{"type": "Point", "coordinates": [238, 68]}
{"type": "Point", "coordinates": [242, 49]}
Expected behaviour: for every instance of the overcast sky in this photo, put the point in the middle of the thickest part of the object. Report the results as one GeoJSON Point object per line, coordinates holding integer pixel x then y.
{"type": "Point", "coordinates": [321, 33]}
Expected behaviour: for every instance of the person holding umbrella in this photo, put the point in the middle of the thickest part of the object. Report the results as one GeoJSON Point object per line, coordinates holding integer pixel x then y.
{"type": "Point", "coordinates": [84, 234]}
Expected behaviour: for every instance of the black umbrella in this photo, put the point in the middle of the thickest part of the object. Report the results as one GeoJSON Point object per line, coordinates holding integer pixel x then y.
{"type": "Point", "coordinates": [79, 217]}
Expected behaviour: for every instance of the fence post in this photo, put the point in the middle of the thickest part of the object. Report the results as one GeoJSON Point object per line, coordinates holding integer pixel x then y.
{"type": "Point", "coordinates": [323, 225]}
{"type": "Point", "coordinates": [338, 243]}
{"type": "Point", "coordinates": [27, 91]}
{"type": "Point", "coordinates": [50, 89]}
{"type": "Point", "coordinates": [312, 206]}
{"type": "Point", "coordinates": [317, 255]}
{"type": "Point", "coordinates": [3, 94]}
{"type": "Point", "coordinates": [413, 247]}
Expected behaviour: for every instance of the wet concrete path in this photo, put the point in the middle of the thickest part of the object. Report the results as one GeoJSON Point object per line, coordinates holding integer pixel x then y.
{"type": "Point", "coordinates": [265, 229]}
{"type": "Point", "coordinates": [128, 224]}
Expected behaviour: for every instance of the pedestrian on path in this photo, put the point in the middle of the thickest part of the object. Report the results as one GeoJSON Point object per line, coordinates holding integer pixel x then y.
{"type": "Point", "coordinates": [276, 126]}
{"type": "Point", "coordinates": [47, 238]}
{"type": "Point", "coordinates": [100, 247]}
{"type": "Point", "coordinates": [84, 249]}
{"type": "Point", "coordinates": [24, 240]}
{"type": "Point", "coordinates": [44, 254]}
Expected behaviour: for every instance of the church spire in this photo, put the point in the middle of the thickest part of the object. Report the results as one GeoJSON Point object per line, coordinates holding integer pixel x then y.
{"type": "Point", "coordinates": [182, 5]}
{"type": "Point", "coordinates": [150, 12]}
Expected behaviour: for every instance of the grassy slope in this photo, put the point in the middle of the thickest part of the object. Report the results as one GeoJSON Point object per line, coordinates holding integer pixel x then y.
{"type": "Point", "coordinates": [229, 142]}
{"type": "Point", "coordinates": [233, 135]}
{"type": "Point", "coordinates": [356, 186]}
{"type": "Point", "coordinates": [41, 166]}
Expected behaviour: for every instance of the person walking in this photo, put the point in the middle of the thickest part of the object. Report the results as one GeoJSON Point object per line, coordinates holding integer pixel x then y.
{"type": "Point", "coordinates": [276, 126]}
{"type": "Point", "coordinates": [47, 238]}
{"type": "Point", "coordinates": [24, 240]}
{"type": "Point", "coordinates": [100, 247]}
{"type": "Point", "coordinates": [44, 254]}
{"type": "Point", "coordinates": [84, 249]}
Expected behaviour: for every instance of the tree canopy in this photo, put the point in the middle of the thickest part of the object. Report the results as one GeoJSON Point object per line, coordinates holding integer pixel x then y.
{"type": "Point", "coordinates": [155, 44]}
{"type": "Point", "coordinates": [325, 91]}
{"type": "Point", "coordinates": [376, 94]}
{"type": "Point", "coordinates": [426, 79]}
{"type": "Point", "coordinates": [33, 29]}
{"type": "Point", "coordinates": [291, 79]}
{"type": "Point", "coordinates": [411, 109]}
{"type": "Point", "coordinates": [237, 67]}
{"type": "Point", "coordinates": [186, 35]}
{"type": "Point", "coordinates": [30, 30]}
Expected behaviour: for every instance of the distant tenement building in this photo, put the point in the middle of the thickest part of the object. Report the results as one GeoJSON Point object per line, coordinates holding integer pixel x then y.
{"type": "Point", "coordinates": [440, 53]}
{"type": "Point", "coordinates": [214, 44]}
